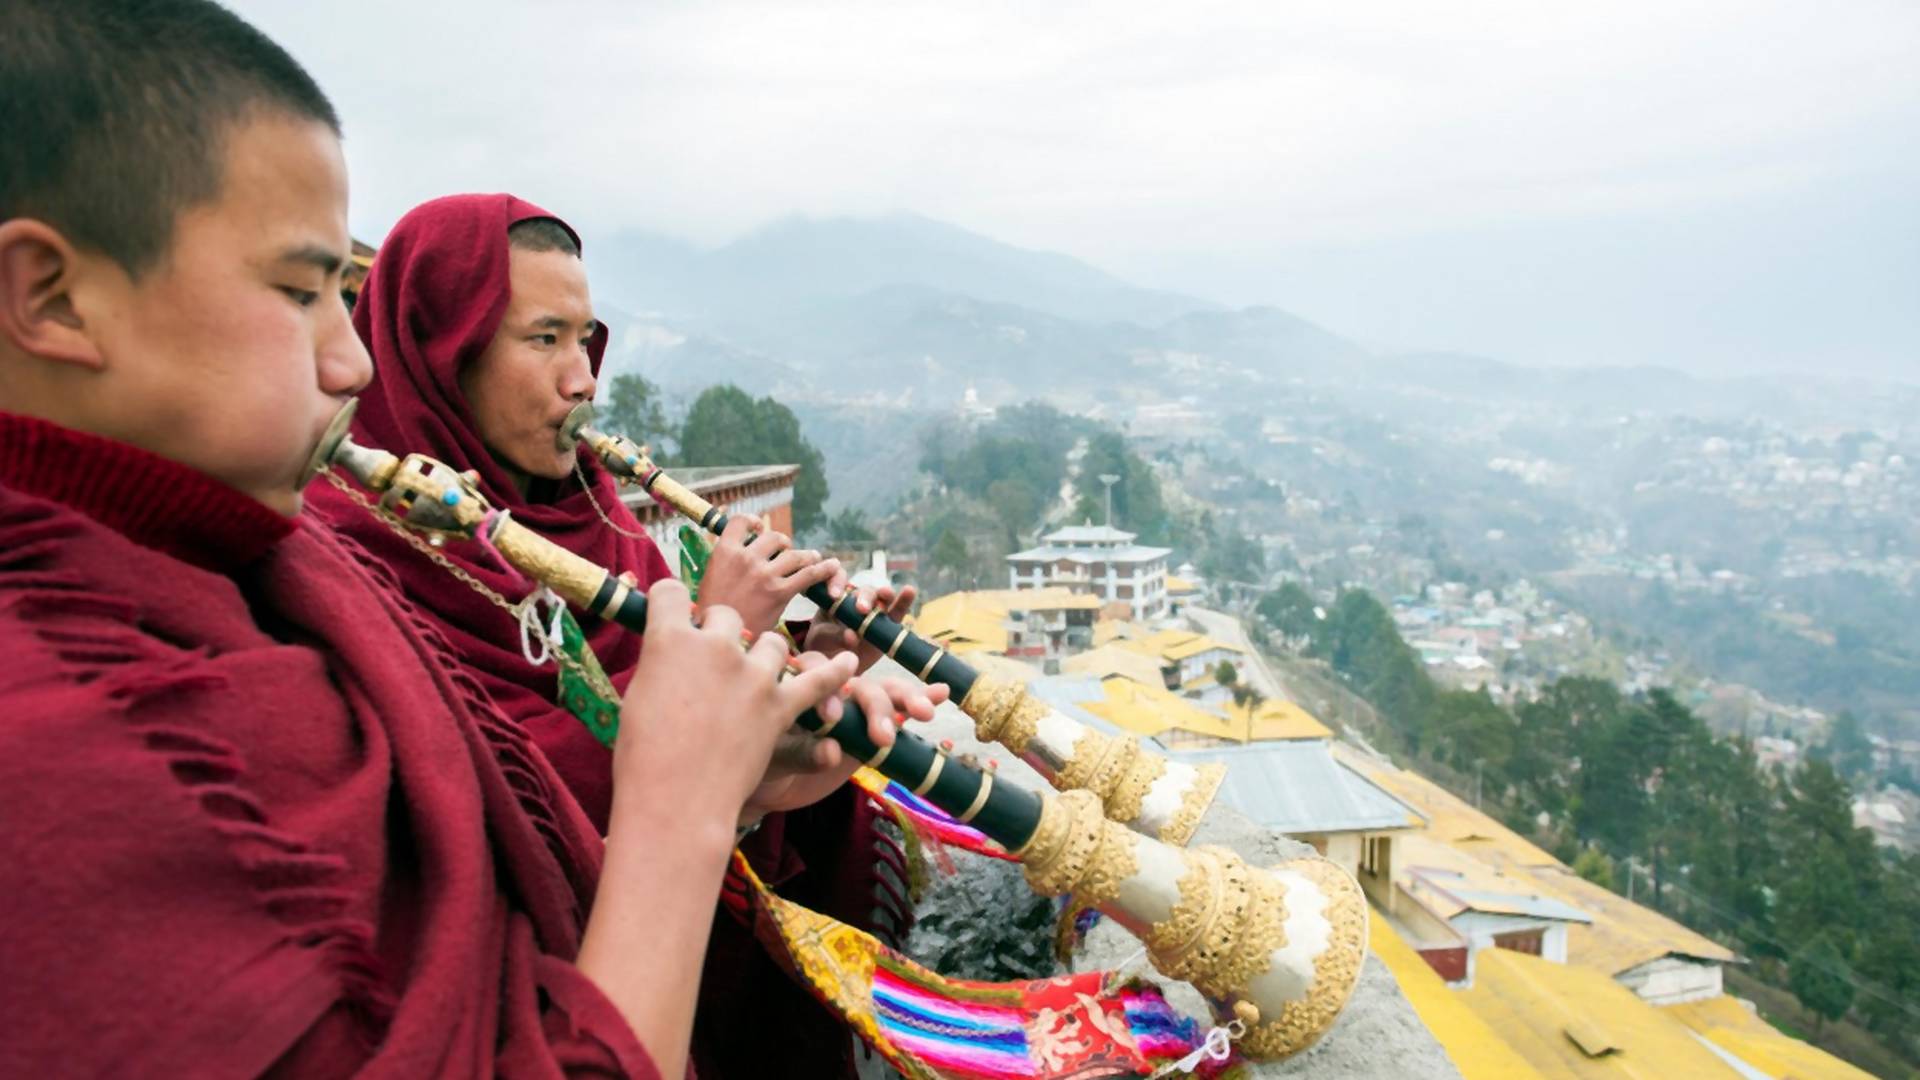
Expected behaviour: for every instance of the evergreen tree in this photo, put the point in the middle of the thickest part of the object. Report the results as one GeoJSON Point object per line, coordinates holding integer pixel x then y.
{"type": "Point", "coordinates": [1231, 556]}
{"type": "Point", "coordinates": [1819, 977]}
{"type": "Point", "coordinates": [1834, 875]}
{"type": "Point", "coordinates": [1363, 643]}
{"type": "Point", "coordinates": [1848, 748]}
{"type": "Point", "coordinates": [850, 526]}
{"type": "Point", "coordinates": [1136, 497]}
{"type": "Point", "coordinates": [1546, 738]}
{"type": "Point", "coordinates": [633, 409]}
{"type": "Point", "coordinates": [727, 427]}
{"type": "Point", "coordinates": [1289, 609]}
{"type": "Point", "coordinates": [1891, 958]}
{"type": "Point", "coordinates": [1471, 731]}
{"type": "Point", "coordinates": [949, 555]}
{"type": "Point", "coordinates": [1594, 865]}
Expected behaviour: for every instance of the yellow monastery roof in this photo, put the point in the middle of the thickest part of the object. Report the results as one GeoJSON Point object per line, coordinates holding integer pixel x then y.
{"type": "Point", "coordinates": [964, 622]}
{"type": "Point", "coordinates": [1106, 631]}
{"type": "Point", "coordinates": [1451, 881]}
{"type": "Point", "coordinates": [1736, 1029]}
{"type": "Point", "coordinates": [1623, 934]}
{"type": "Point", "coordinates": [1449, 819]}
{"type": "Point", "coordinates": [971, 622]}
{"type": "Point", "coordinates": [1051, 598]}
{"type": "Point", "coordinates": [1476, 1051]}
{"type": "Point", "coordinates": [1276, 720]}
{"type": "Point", "coordinates": [1176, 645]}
{"type": "Point", "coordinates": [1114, 660]}
{"type": "Point", "coordinates": [1150, 710]}
{"type": "Point", "coordinates": [1139, 703]}
{"type": "Point", "coordinates": [1179, 586]}
{"type": "Point", "coordinates": [1574, 1022]}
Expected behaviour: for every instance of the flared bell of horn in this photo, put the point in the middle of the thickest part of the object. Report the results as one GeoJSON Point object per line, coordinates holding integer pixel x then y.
{"type": "Point", "coordinates": [1278, 948]}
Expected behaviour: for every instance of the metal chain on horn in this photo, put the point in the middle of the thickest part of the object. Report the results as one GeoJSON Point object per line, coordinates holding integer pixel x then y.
{"type": "Point", "coordinates": [595, 681]}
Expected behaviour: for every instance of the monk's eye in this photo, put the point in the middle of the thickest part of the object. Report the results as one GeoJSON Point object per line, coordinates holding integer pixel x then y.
{"type": "Point", "coordinates": [303, 297]}
{"type": "Point", "coordinates": [547, 339]}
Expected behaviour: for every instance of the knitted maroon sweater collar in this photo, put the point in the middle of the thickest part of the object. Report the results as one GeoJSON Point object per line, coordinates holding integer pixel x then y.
{"type": "Point", "coordinates": [155, 502]}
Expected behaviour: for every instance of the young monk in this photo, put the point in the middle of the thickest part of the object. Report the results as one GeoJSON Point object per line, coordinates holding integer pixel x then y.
{"type": "Point", "coordinates": [480, 320]}
{"type": "Point", "coordinates": [253, 819]}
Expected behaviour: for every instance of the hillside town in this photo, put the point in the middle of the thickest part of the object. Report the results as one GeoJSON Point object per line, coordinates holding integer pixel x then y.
{"type": "Point", "coordinates": [1515, 963]}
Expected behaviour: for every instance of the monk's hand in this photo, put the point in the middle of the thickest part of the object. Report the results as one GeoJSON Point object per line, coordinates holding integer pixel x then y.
{"type": "Point", "coordinates": [806, 768]}
{"type": "Point", "coordinates": [758, 578]}
{"type": "Point", "coordinates": [828, 637]}
{"type": "Point", "coordinates": [709, 771]}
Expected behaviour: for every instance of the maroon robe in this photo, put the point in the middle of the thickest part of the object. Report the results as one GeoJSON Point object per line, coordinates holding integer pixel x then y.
{"type": "Point", "coordinates": [253, 818]}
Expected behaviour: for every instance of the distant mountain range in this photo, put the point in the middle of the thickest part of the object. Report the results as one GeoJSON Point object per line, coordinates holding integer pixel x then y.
{"type": "Point", "coordinates": [908, 311]}
{"type": "Point", "coordinates": [800, 263]}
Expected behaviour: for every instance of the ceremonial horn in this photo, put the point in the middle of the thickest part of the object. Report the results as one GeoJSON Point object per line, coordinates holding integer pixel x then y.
{"type": "Point", "coordinates": [1140, 789]}
{"type": "Point", "coordinates": [1278, 949]}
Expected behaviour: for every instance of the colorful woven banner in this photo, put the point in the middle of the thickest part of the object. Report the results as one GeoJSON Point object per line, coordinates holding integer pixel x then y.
{"type": "Point", "coordinates": [1088, 1026]}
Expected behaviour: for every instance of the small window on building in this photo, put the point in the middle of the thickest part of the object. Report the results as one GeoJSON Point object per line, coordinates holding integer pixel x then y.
{"type": "Point", "coordinates": [1521, 941]}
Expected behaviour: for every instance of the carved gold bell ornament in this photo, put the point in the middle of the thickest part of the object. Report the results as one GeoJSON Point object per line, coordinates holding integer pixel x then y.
{"type": "Point", "coordinates": [1278, 948]}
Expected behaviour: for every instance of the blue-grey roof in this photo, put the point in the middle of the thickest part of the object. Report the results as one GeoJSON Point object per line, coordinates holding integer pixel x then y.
{"type": "Point", "coordinates": [1531, 904]}
{"type": "Point", "coordinates": [1088, 534]}
{"type": "Point", "coordinates": [1297, 787]}
{"type": "Point", "coordinates": [1127, 553]}
{"type": "Point", "coordinates": [1065, 693]}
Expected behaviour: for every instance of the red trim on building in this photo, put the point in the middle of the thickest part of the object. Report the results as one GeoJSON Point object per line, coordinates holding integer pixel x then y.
{"type": "Point", "coordinates": [1449, 964]}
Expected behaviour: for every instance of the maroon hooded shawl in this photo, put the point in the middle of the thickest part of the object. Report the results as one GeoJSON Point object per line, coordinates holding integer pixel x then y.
{"type": "Point", "coordinates": [253, 818]}
{"type": "Point", "coordinates": [430, 306]}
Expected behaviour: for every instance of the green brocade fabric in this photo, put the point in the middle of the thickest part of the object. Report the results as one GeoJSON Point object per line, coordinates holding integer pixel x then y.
{"type": "Point", "coordinates": [598, 707]}
{"type": "Point", "coordinates": [694, 553]}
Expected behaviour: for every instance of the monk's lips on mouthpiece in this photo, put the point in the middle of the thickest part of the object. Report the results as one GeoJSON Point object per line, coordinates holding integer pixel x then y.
{"type": "Point", "coordinates": [577, 420]}
{"type": "Point", "coordinates": [329, 442]}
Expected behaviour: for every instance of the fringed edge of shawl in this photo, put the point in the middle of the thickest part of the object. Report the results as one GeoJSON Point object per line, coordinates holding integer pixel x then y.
{"type": "Point", "coordinates": [513, 748]}
{"type": "Point", "coordinates": [293, 882]}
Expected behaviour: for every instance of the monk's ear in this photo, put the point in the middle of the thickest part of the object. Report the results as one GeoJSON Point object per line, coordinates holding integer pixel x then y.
{"type": "Point", "coordinates": [38, 269]}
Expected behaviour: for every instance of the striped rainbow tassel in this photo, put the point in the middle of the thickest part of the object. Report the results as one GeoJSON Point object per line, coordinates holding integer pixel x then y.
{"type": "Point", "coordinates": [930, 820]}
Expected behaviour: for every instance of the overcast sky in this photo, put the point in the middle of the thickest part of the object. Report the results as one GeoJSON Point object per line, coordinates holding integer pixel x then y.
{"type": "Point", "coordinates": [1722, 185]}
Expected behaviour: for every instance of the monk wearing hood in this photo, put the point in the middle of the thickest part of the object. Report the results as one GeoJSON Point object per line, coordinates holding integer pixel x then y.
{"type": "Point", "coordinates": [481, 324]}
{"type": "Point", "coordinates": [254, 817]}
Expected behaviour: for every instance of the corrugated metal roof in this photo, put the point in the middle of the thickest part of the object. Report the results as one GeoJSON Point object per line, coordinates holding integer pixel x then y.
{"type": "Point", "coordinates": [1275, 719]}
{"type": "Point", "coordinates": [1736, 1029]}
{"type": "Point", "coordinates": [1176, 644]}
{"type": "Point", "coordinates": [1476, 1051]}
{"type": "Point", "coordinates": [1506, 903]}
{"type": "Point", "coordinates": [1088, 534]}
{"type": "Point", "coordinates": [1297, 787]}
{"type": "Point", "coordinates": [1575, 1022]}
{"type": "Point", "coordinates": [1130, 553]}
{"type": "Point", "coordinates": [964, 621]}
{"type": "Point", "coordinates": [1114, 660]}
